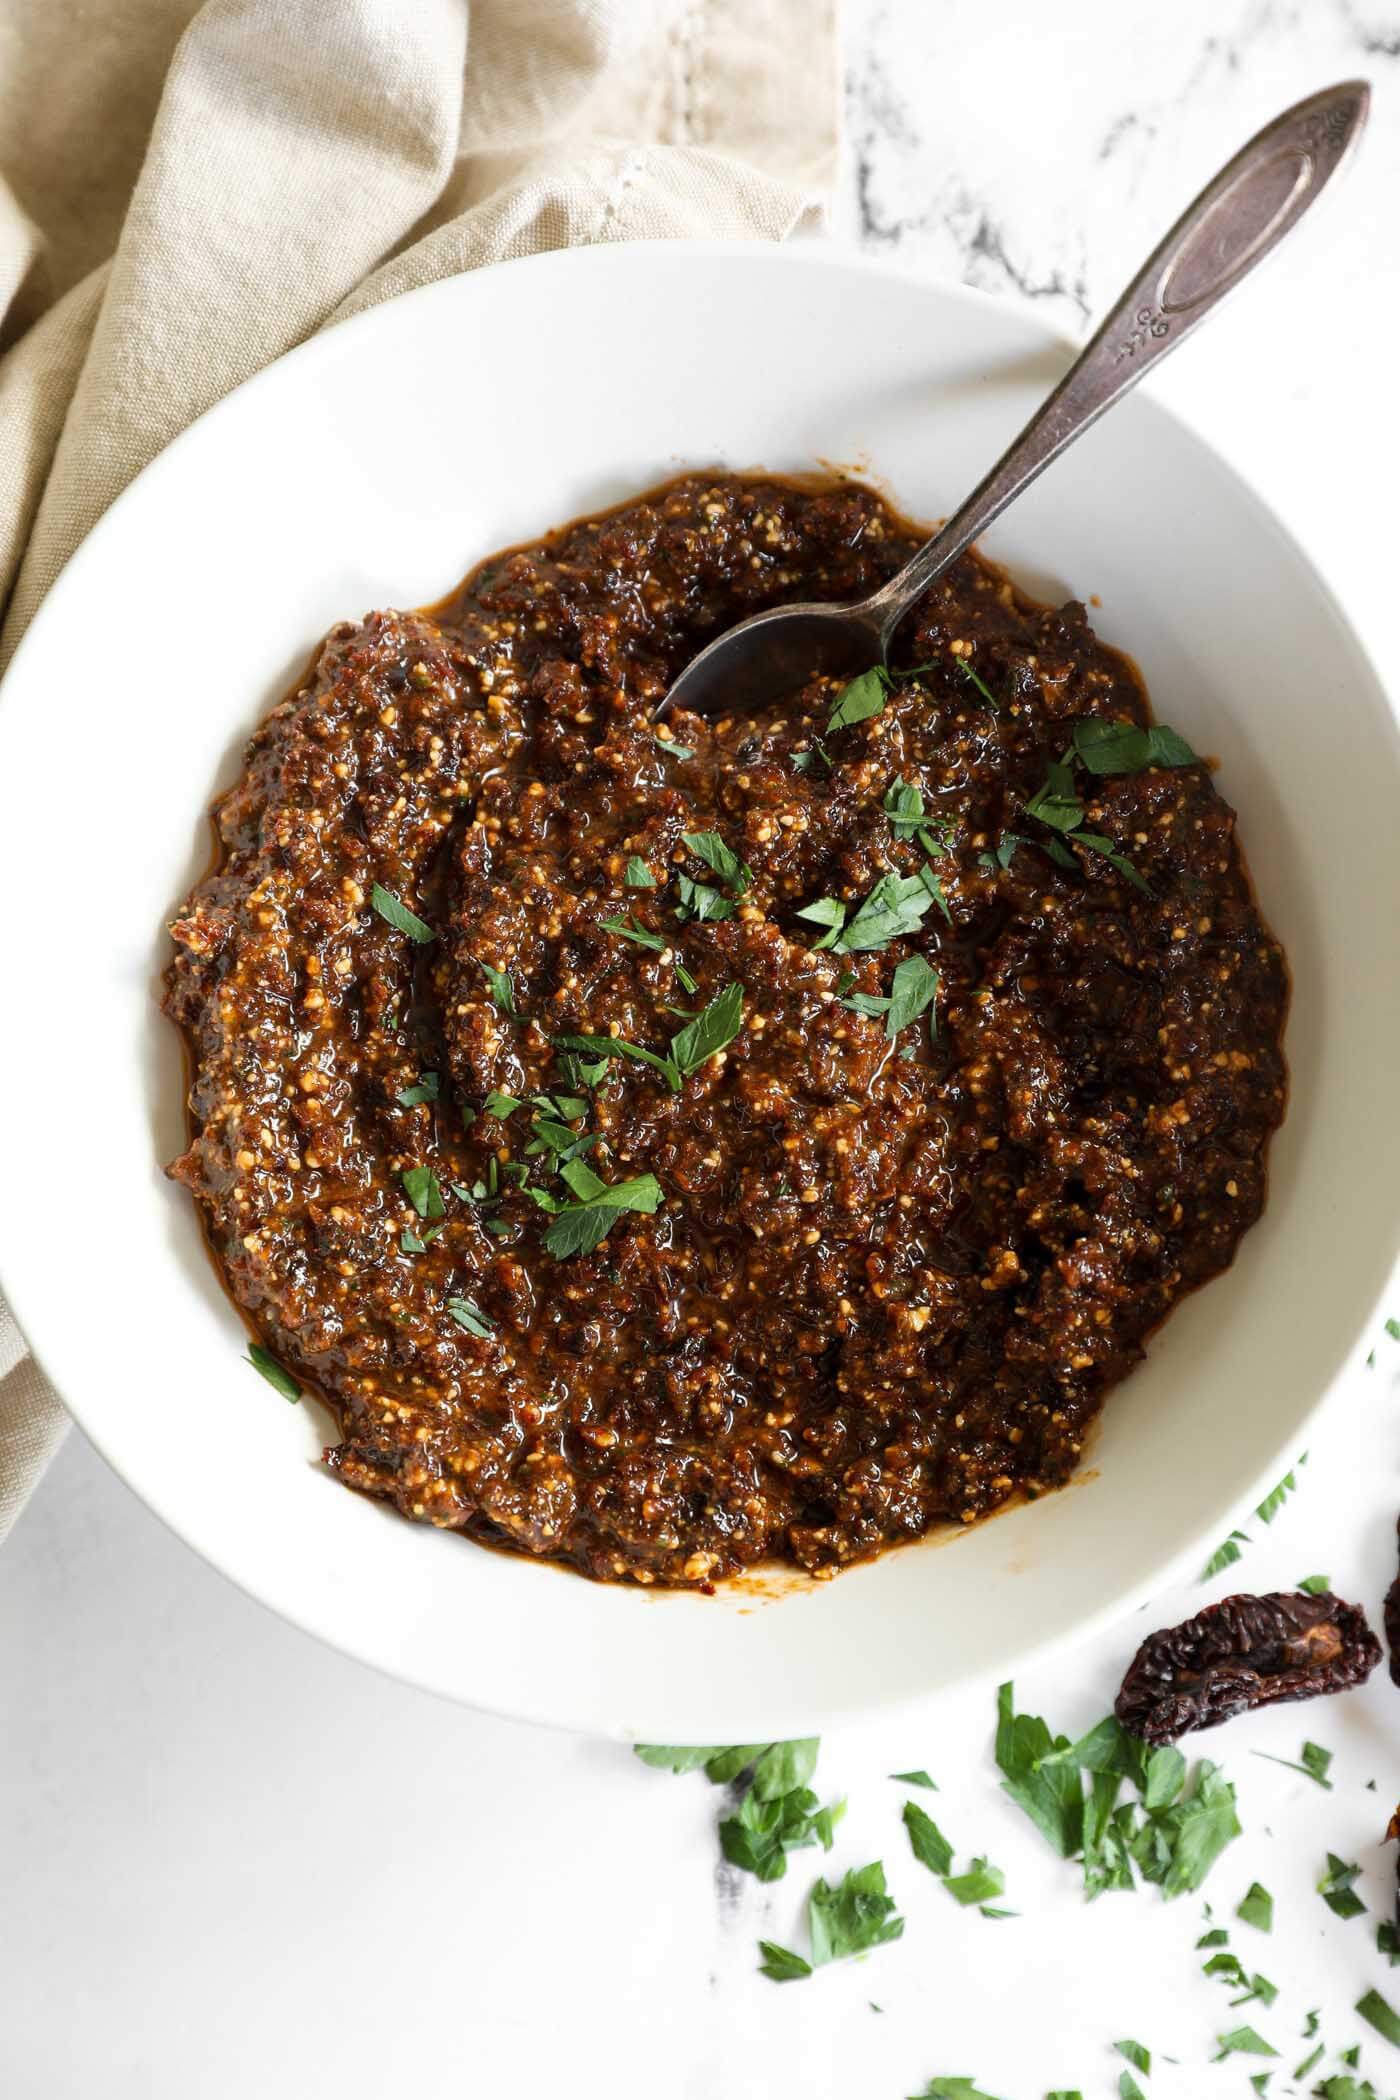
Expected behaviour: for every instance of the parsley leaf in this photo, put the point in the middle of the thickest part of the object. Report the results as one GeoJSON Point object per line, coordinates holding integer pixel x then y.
{"type": "Point", "coordinates": [855, 1915]}
{"type": "Point", "coordinates": [411, 1242]}
{"type": "Point", "coordinates": [266, 1364]}
{"type": "Point", "coordinates": [710, 848]}
{"type": "Point", "coordinates": [502, 1105]}
{"type": "Point", "coordinates": [895, 906]}
{"type": "Point", "coordinates": [1139, 2057]}
{"type": "Point", "coordinates": [638, 875]}
{"type": "Point", "coordinates": [926, 1840]}
{"type": "Point", "coordinates": [1256, 1907]}
{"type": "Point", "coordinates": [968, 673]}
{"type": "Point", "coordinates": [421, 1187]}
{"type": "Point", "coordinates": [467, 1316]}
{"type": "Point", "coordinates": [1316, 1585]}
{"type": "Point", "coordinates": [976, 1884]}
{"type": "Point", "coordinates": [960, 2089]}
{"type": "Point", "coordinates": [1243, 2041]}
{"type": "Point", "coordinates": [425, 1090]}
{"type": "Point", "coordinates": [1273, 1502]}
{"type": "Point", "coordinates": [605, 1046]}
{"type": "Point", "coordinates": [919, 1778]}
{"type": "Point", "coordinates": [1106, 850]}
{"type": "Point", "coordinates": [781, 1963]}
{"type": "Point", "coordinates": [1057, 802]}
{"type": "Point", "coordinates": [904, 806]}
{"type": "Point", "coordinates": [631, 931]}
{"type": "Point", "coordinates": [1388, 1941]}
{"type": "Point", "coordinates": [1225, 1555]}
{"type": "Point", "coordinates": [501, 989]}
{"type": "Point", "coordinates": [1051, 1795]}
{"type": "Point", "coordinates": [913, 989]}
{"type": "Point", "coordinates": [1313, 1762]}
{"type": "Point", "coordinates": [711, 1030]}
{"type": "Point", "coordinates": [1380, 2015]}
{"type": "Point", "coordinates": [580, 1227]}
{"type": "Point", "coordinates": [674, 750]}
{"type": "Point", "coordinates": [396, 913]}
{"type": "Point", "coordinates": [699, 902]}
{"type": "Point", "coordinates": [1121, 747]}
{"type": "Point", "coordinates": [863, 697]}
{"type": "Point", "coordinates": [1336, 1891]}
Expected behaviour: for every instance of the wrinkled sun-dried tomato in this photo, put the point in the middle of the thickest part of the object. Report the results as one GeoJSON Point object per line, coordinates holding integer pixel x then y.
{"type": "Point", "coordinates": [1243, 1653]}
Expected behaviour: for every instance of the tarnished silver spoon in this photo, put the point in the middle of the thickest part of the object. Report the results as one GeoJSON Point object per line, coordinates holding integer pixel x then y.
{"type": "Point", "coordinates": [1234, 223]}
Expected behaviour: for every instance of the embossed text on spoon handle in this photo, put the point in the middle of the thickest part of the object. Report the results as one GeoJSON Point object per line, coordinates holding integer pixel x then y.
{"type": "Point", "coordinates": [1237, 220]}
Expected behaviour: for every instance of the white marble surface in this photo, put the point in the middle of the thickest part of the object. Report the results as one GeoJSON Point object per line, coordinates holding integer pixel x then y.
{"type": "Point", "coordinates": [234, 1863]}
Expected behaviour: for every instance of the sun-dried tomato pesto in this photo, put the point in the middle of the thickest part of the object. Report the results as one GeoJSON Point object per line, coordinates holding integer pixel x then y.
{"type": "Point", "coordinates": [891, 1271]}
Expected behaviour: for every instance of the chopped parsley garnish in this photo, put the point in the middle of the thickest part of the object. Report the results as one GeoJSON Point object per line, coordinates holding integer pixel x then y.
{"type": "Point", "coordinates": [1224, 1556]}
{"type": "Point", "coordinates": [1382, 2016]}
{"type": "Point", "coordinates": [685, 980]}
{"type": "Point", "coordinates": [1056, 804]}
{"type": "Point", "coordinates": [422, 1189]}
{"type": "Point", "coordinates": [761, 1832]}
{"type": "Point", "coordinates": [638, 875]}
{"type": "Point", "coordinates": [500, 987]}
{"type": "Point", "coordinates": [1139, 2057]}
{"type": "Point", "coordinates": [977, 1884]}
{"type": "Point", "coordinates": [267, 1366]}
{"type": "Point", "coordinates": [425, 1090]}
{"type": "Point", "coordinates": [863, 697]}
{"type": "Point", "coordinates": [1336, 1890]}
{"type": "Point", "coordinates": [971, 676]}
{"type": "Point", "coordinates": [1316, 1585]}
{"type": "Point", "coordinates": [896, 906]}
{"type": "Point", "coordinates": [673, 749]}
{"type": "Point", "coordinates": [631, 931]}
{"type": "Point", "coordinates": [580, 1227]}
{"type": "Point", "coordinates": [1256, 1907]}
{"type": "Point", "coordinates": [913, 990]}
{"type": "Point", "coordinates": [1185, 1822]}
{"type": "Point", "coordinates": [858, 1913]}
{"type": "Point", "coordinates": [700, 902]}
{"type": "Point", "coordinates": [411, 1242]}
{"type": "Point", "coordinates": [927, 1841]}
{"type": "Point", "coordinates": [468, 1317]}
{"type": "Point", "coordinates": [1243, 2041]}
{"type": "Point", "coordinates": [1121, 747]}
{"type": "Point", "coordinates": [963, 2088]}
{"type": "Point", "coordinates": [904, 806]}
{"type": "Point", "coordinates": [1388, 1941]}
{"type": "Point", "coordinates": [502, 1105]}
{"type": "Point", "coordinates": [1273, 1502]}
{"type": "Point", "coordinates": [1310, 2062]}
{"type": "Point", "coordinates": [710, 847]}
{"type": "Point", "coordinates": [396, 913]}
{"type": "Point", "coordinates": [692, 1046]}
{"type": "Point", "coordinates": [919, 1778]}
{"type": "Point", "coordinates": [1313, 1762]}
{"type": "Point", "coordinates": [781, 1963]}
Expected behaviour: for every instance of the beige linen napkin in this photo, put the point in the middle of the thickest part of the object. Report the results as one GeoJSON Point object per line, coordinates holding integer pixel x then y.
{"type": "Point", "coordinates": [186, 194]}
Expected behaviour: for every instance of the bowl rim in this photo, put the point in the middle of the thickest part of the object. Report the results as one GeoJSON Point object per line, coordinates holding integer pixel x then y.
{"type": "Point", "coordinates": [799, 255]}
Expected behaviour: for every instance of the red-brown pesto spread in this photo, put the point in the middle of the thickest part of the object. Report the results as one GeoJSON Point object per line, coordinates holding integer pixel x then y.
{"type": "Point", "coordinates": [894, 1265]}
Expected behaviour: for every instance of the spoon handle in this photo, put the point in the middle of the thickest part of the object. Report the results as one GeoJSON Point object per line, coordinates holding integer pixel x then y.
{"type": "Point", "coordinates": [1235, 222]}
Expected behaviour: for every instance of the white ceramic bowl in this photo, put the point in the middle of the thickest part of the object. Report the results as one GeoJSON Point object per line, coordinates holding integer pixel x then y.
{"type": "Point", "coordinates": [371, 468]}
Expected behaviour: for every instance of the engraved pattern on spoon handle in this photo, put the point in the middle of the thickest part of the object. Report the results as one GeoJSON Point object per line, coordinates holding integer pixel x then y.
{"type": "Point", "coordinates": [1238, 219]}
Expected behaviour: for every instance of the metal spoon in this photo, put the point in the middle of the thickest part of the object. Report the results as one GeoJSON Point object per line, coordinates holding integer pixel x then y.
{"type": "Point", "coordinates": [1234, 223]}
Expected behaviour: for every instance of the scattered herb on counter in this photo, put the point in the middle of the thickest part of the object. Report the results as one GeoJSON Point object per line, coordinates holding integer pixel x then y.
{"type": "Point", "coordinates": [1312, 1761]}
{"type": "Point", "coordinates": [781, 1963]}
{"type": "Point", "coordinates": [1273, 1502]}
{"type": "Point", "coordinates": [1256, 1907]}
{"type": "Point", "coordinates": [1242, 2041]}
{"type": "Point", "coordinates": [963, 2088]}
{"type": "Point", "coordinates": [777, 1813]}
{"type": "Point", "coordinates": [1316, 1585]}
{"type": "Point", "coordinates": [1336, 1888]}
{"type": "Point", "coordinates": [425, 1090]}
{"type": "Point", "coordinates": [396, 913]}
{"type": "Point", "coordinates": [267, 1366]}
{"type": "Point", "coordinates": [1172, 1836]}
{"type": "Point", "coordinates": [857, 1914]}
{"type": "Point", "coordinates": [1381, 2015]}
{"type": "Point", "coordinates": [1137, 2055]}
{"type": "Point", "coordinates": [927, 1841]}
{"type": "Point", "coordinates": [1128, 2087]}
{"type": "Point", "coordinates": [1310, 2062]}
{"type": "Point", "coordinates": [918, 1778]}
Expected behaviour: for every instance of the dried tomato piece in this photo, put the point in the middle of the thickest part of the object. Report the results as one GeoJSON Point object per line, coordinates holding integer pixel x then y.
{"type": "Point", "coordinates": [1391, 1621]}
{"type": "Point", "coordinates": [1243, 1653]}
